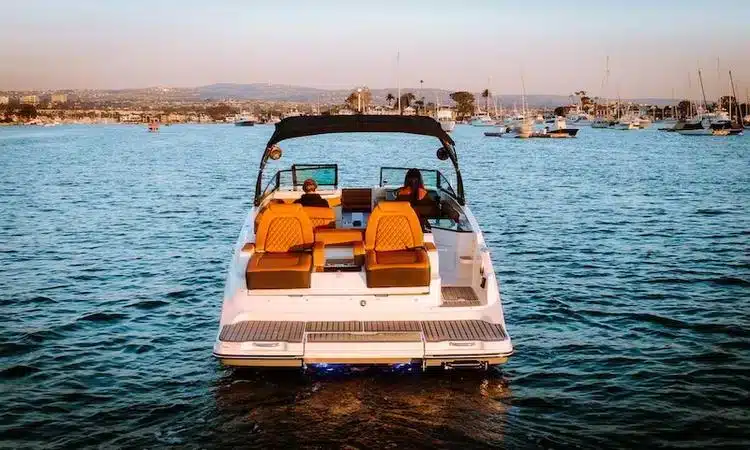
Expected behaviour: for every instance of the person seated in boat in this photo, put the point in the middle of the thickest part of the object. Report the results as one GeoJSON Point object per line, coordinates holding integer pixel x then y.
{"type": "Point", "coordinates": [310, 197]}
{"type": "Point", "coordinates": [413, 189]}
{"type": "Point", "coordinates": [415, 193]}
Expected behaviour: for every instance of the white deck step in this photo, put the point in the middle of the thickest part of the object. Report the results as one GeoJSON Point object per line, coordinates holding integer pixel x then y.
{"type": "Point", "coordinates": [295, 343]}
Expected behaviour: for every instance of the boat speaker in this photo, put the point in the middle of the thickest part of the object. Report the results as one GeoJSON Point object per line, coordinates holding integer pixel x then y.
{"type": "Point", "coordinates": [275, 153]}
{"type": "Point", "coordinates": [442, 154]}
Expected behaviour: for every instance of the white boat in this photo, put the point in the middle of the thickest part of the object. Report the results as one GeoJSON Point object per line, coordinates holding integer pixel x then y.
{"type": "Point", "coordinates": [603, 122]}
{"type": "Point", "coordinates": [709, 124]}
{"type": "Point", "coordinates": [482, 120]}
{"type": "Point", "coordinates": [369, 280]}
{"type": "Point", "coordinates": [523, 128]}
{"type": "Point", "coordinates": [446, 119]}
{"type": "Point", "coordinates": [244, 120]}
{"type": "Point", "coordinates": [644, 122]}
{"type": "Point", "coordinates": [627, 123]}
{"type": "Point", "coordinates": [557, 126]}
{"type": "Point", "coordinates": [516, 119]}
{"type": "Point", "coordinates": [578, 120]}
{"type": "Point", "coordinates": [292, 113]}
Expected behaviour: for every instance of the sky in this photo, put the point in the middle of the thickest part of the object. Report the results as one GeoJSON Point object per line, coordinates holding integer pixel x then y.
{"type": "Point", "coordinates": [655, 47]}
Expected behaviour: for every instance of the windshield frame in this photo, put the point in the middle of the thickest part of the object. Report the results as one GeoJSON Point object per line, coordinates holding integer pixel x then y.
{"type": "Point", "coordinates": [293, 127]}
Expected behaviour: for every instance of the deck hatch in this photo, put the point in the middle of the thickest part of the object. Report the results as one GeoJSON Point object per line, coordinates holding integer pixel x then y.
{"type": "Point", "coordinates": [458, 296]}
{"type": "Point", "coordinates": [263, 331]}
{"type": "Point", "coordinates": [366, 337]}
{"type": "Point", "coordinates": [462, 330]}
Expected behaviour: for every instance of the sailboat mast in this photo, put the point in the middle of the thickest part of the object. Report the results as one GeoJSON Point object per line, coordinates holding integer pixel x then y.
{"type": "Point", "coordinates": [703, 91]}
{"type": "Point", "coordinates": [734, 96]}
{"type": "Point", "coordinates": [523, 98]}
{"type": "Point", "coordinates": [604, 83]}
{"type": "Point", "coordinates": [494, 100]}
{"type": "Point", "coordinates": [690, 93]}
{"type": "Point", "coordinates": [398, 80]}
{"type": "Point", "coordinates": [487, 99]}
{"type": "Point", "coordinates": [672, 104]}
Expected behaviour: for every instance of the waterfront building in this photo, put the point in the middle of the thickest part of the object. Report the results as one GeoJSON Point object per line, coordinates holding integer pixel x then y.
{"type": "Point", "coordinates": [4, 100]}
{"type": "Point", "coordinates": [59, 98]}
{"type": "Point", "coordinates": [30, 100]}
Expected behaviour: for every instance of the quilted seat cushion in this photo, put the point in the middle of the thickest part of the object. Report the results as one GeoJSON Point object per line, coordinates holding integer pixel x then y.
{"type": "Point", "coordinates": [398, 268]}
{"type": "Point", "coordinates": [279, 270]}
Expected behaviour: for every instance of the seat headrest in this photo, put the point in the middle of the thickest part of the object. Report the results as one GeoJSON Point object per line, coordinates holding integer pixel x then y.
{"type": "Point", "coordinates": [394, 207]}
{"type": "Point", "coordinates": [393, 226]}
{"type": "Point", "coordinates": [283, 228]}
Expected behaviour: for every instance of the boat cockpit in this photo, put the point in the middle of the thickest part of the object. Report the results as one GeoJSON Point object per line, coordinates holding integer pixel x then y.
{"type": "Point", "coordinates": [370, 238]}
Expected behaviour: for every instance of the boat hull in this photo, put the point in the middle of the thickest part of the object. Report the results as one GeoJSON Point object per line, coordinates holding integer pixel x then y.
{"type": "Point", "coordinates": [447, 125]}
{"type": "Point", "coordinates": [563, 133]}
{"type": "Point", "coordinates": [711, 132]}
{"type": "Point", "coordinates": [244, 123]}
{"type": "Point", "coordinates": [338, 320]}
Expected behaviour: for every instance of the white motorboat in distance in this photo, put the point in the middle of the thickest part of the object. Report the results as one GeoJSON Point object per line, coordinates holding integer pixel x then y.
{"type": "Point", "coordinates": [709, 124]}
{"type": "Point", "coordinates": [627, 123]}
{"type": "Point", "coordinates": [557, 127]}
{"type": "Point", "coordinates": [482, 120]}
{"type": "Point", "coordinates": [244, 120]}
{"type": "Point", "coordinates": [446, 119]}
{"type": "Point", "coordinates": [603, 122]}
{"type": "Point", "coordinates": [578, 120]}
{"type": "Point", "coordinates": [369, 279]}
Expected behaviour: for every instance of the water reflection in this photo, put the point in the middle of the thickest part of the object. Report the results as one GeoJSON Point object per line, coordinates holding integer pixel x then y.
{"type": "Point", "coordinates": [362, 409]}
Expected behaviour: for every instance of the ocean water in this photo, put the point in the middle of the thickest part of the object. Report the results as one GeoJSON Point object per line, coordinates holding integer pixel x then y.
{"type": "Point", "coordinates": [623, 259]}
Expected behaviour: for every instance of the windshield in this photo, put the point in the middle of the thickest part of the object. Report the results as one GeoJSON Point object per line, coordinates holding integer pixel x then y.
{"type": "Point", "coordinates": [325, 175]}
{"type": "Point", "coordinates": [432, 179]}
{"type": "Point", "coordinates": [359, 157]}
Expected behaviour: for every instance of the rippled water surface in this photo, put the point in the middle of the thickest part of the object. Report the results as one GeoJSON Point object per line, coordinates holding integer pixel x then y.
{"type": "Point", "coordinates": [623, 258]}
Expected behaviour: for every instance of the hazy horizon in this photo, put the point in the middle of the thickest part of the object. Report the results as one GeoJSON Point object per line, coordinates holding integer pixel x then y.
{"type": "Point", "coordinates": [652, 48]}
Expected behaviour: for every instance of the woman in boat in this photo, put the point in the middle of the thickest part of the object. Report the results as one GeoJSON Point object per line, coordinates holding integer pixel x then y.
{"type": "Point", "coordinates": [413, 189]}
{"type": "Point", "coordinates": [310, 197]}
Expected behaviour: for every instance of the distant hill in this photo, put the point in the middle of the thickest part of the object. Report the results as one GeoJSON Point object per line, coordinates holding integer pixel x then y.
{"type": "Point", "coordinates": [302, 94]}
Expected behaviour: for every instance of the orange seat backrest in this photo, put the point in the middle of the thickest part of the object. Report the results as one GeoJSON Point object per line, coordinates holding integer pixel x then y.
{"type": "Point", "coordinates": [393, 226]}
{"type": "Point", "coordinates": [320, 216]}
{"type": "Point", "coordinates": [283, 228]}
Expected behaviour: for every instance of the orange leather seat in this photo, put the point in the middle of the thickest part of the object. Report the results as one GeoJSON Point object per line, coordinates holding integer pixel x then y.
{"type": "Point", "coordinates": [321, 217]}
{"type": "Point", "coordinates": [281, 258]}
{"type": "Point", "coordinates": [394, 246]}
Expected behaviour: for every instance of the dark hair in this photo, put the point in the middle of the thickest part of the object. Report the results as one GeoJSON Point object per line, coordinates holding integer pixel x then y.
{"type": "Point", "coordinates": [309, 184]}
{"type": "Point", "coordinates": [413, 180]}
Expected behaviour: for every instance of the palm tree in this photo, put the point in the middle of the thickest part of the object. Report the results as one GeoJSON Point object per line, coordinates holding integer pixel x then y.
{"type": "Point", "coordinates": [407, 99]}
{"type": "Point", "coordinates": [486, 95]}
{"type": "Point", "coordinates": [420, 106]}
{"type": "Point", "coordinates": [389, 98]}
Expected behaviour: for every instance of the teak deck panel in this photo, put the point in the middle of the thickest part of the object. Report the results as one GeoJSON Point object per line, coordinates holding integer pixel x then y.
{"type": "Point", "coordinates": [260, 331]}
{"type": "Point", "coordinates": [458, 296]}
{"type": "Point", "coordinates": [362, 331]}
